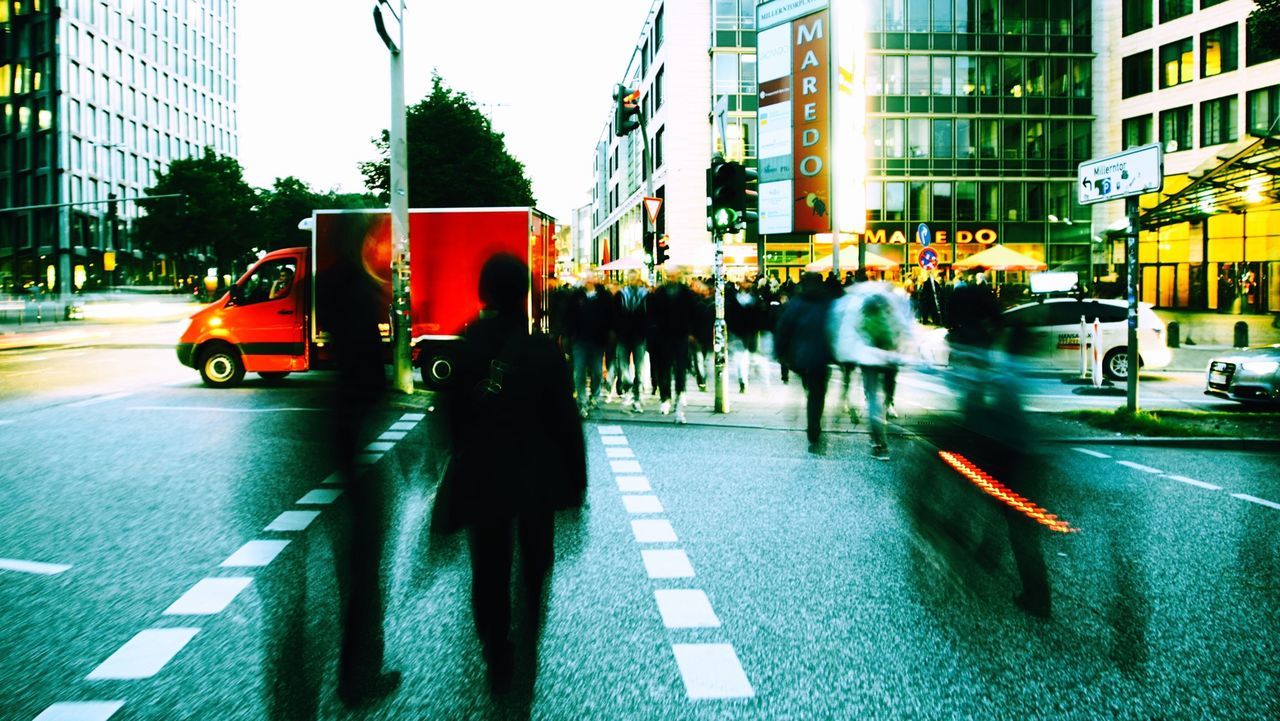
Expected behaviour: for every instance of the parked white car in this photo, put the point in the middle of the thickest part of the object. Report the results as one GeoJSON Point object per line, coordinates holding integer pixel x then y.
{"type": "Point", "coordinates": [1055, 327]}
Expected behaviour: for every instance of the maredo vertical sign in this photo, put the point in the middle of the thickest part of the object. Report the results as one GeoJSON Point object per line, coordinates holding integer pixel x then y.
{"type": "Point", "coordinates": [806, 123]}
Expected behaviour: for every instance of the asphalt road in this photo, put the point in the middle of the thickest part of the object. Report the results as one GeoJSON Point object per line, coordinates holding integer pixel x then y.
{"type": "Point", "coordinates": [728, 573]}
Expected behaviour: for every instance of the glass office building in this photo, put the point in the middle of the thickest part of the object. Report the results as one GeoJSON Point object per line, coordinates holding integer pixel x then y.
{"type": "Point", "coordinates": [99, 96]}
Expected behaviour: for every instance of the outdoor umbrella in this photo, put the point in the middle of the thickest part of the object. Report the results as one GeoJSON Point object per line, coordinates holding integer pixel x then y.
{"type": "Point", "coordinates": [849, 261]}
{"type": "Point", "coordinates": [623, 264]}
{"type": "Point", "coordinates": [999, 257]}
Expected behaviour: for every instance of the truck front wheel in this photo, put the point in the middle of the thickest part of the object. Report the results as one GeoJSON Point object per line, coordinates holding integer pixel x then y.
{"type": "Point", "coordinates": [221, 367]}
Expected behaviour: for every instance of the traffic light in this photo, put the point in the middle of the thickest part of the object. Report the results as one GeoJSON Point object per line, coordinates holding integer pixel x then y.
{"type": "Point", "coordinates": [649, 243]}
{"type": "Point", "coordinates": [724, 181]}
{"type": "Point", "coordinates": [663, 251]}
{"type": "Point", "coordinates": [626, 106]}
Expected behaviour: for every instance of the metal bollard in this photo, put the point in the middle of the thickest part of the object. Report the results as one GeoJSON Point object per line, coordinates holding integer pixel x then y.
{"type": "Point", "coordinates": [1175, 334]}
{"type": "Point", "coordinates": [1241, 334]}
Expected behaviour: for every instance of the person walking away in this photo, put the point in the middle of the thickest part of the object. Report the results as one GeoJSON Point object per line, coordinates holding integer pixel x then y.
{"type": "Point", "coordinates": [352, 304]}
{"type": "Point", "coordinates": [630, 326]}
{"type": "Point", "coordinates": [673, 308]}
{"type": "Point", "coordinates": [589, 317]}
{"type": "Point", "coordinates": [867, 327]}
{"type": "Point", "coordinates": [744, 316]}
{"type": "Point", "coordinates": [518, 456]}
{"type": "Point", "coordinates": [702, 359]}
{"type": "Point", "coordinates": [800, 340]}
{"type": "Point", "coordinates": [973, 325]}
{"type": "Point", "coordinates": [929, 300]}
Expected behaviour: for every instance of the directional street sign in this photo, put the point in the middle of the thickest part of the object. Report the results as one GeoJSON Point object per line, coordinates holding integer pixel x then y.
{"type": "Point", "coordinates": [1132, 172]}
{"type": "Point", "coordinates": [923, 236]}
{"type": "Point", "coordinates": [928, 259]}
{"type": "Point", "coordinates": [651, 206]}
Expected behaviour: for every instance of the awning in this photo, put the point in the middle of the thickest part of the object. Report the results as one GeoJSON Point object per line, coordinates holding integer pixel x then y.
{"type": "Point", "coordinates": [1000, 258]}
{"type": "Point", "coordinates": [1240, 175]}
{"type": "Point", "coordinates": [849, 261]}
{"type": "Point", "coordinates": [623, 264]}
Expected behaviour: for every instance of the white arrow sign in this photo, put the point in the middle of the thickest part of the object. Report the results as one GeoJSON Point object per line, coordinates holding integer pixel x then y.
{"type": "Point", "coordinates": [1133, 172]}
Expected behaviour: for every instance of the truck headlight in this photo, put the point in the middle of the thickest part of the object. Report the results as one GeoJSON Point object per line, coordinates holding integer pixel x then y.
{"type": "Point", "coordinates": [1261, 367]}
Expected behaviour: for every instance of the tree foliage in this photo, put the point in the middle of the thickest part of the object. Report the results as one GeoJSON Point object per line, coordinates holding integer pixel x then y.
{"type": "Point", "coordinates": [455, 158]}
{"type": "Point", "coordinates": [1264, 23]}
{"type": "Point", "coordinates": [288, 201]}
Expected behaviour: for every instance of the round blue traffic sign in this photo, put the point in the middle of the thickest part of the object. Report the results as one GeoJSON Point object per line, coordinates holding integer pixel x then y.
{"type": "Point", "coordinates": [923, 235]}
{"type": "Point", "coordinates": [928, 259]}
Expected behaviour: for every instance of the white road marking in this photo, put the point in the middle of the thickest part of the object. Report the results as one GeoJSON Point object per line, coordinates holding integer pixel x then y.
{"type": "Point", "coordinates": [320, 497]}
{"type": "Point", "coordinates": [614, 440]}
{"type": "Point", "coordinates": [609, 430]}
{"type": "Point", "coordinates": [1089, 452]}
{"type": "Point", "coordinates": [617, 452]}
{"type": "Point", "coordinates": [1140, 467]}
{"type": "Point", "coordinates": [368, 459]}
{"type": "Point", "coordinates": [393, 436]}
{"type": "Point", "coordinates": [292, 521]}
{"type": "Point", "coordinates": [633, 484]}
{"type": "Point", "coordinates": [1194, 482]}
{"type": "Point", "coordinates": [642, 504]}
{"type": "Point", "coordinates": [672, 563]}
{"type": "Point", "coordinates": [144, 655]}
{"type": "Point", "coordinates": [43, 569]}
{"type": "Point", "coordinates": [685, 608]}
{"type": "Point", "coordinates": [218, 409]}
{"type": "Point", "coordinates": [333, 478]}
{"type": "Point", "coordinates": [1255, 499]}
{"type": "Point", "coordinates": [711, 670]}
{"type": "Point", "coordinates": [209, 596]}
{"type": "Point", "coordinates": [413, 416]}
{"type": "Point", "coordinates": [99, 399]}
{"type": "Point", "coordinates": [653, 530]}
{"type": "Point", "coordinates": [254, 553]}
{"type": "Point", "coordinates": [80, 711]}
{"type": "Point", "coordinates": [625, 466]}
{"type": "Point", "coordinates": [403, 426]}
{"type": "Point", "coordinates": [380, 446]}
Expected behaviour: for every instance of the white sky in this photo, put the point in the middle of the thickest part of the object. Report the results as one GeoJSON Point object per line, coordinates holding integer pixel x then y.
{"type": "Point", "coordinates": [314, 83]}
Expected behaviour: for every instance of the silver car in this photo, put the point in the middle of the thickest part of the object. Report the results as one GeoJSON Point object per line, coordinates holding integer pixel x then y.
{"type": "Point", "coordinates": [1245, 375]}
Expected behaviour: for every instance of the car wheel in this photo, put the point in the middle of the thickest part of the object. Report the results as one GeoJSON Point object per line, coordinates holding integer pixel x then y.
{"type": "Point", "coordinates": [1115, 365]}
{"type": "Point", "coordinates": [221, 367]}
{"type": "Point", "coordinates": [273, 375]}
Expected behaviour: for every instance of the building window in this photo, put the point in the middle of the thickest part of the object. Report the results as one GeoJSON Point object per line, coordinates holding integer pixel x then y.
{"type": "Point", "coordinates": [942, 201]}
{"type": "Point", "coordinates": [895, 138]}
{"type": "Point", "coordinates": [895, 201]}
{"type": "Point", "coordinates": [1173, 9]}
{"type": "Point", "coordinates": [918, 137]}
{"type": "Point", "coordinates": [1218, 121]}
{"type": "Point", "coordinates": [1218, 51]}
{"type": "Point", "coordinates": [942, 139]}
{"type": "Point", "coordinates": [894, 17]}
{"type": "Point", "coordinates": [966, 77]}
{"type": "Point", "coordinates": [1136, 71]}
{"type": "Point", "coordinates": [941, 75]}
{"type": "Point", "coordinates": [918, 75]}
{"type": "Point", "coordinates": [964, 141]}
{"type": "Point", "coordinates": [1136, 131]}
{"type": "Point", "coordinates": [1209, 3]}
{"type": "Point", "coordinates": [657, 88]}
{"type": "Point", "coordinates": [657, 28]}
{"type": "Point", "coordinates": [943, 22]}
{"type": "Point", "coordinates": [1175, 129]}
{"type": "Point", "coordinates": [1177, 63]}
{"type": "Point", "coordinates": [1137, 16]}
{"type": "Point", "coordinates": [966, 200]}
{"type": "Point", "coordinates": [875, 201]}
{"type": "Point", "coordinates": [657, 148]}
{"type": "Point", "coordinates": [894, 75]}
{"type": "Point", "coordinates": [919, 209]}
{"type": "Point", "coordinates": [1262, 108]}
{"type": "Point", "coordinates": [918, 16]}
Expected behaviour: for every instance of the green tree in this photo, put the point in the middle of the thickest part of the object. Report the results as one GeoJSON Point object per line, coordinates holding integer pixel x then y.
{"type": "Point", "coordinates": [288, 201]}
{"type": "Point", "coordinates": [1264, 23]}
{"type": "Point", "coordinates": [456, 159]}
{"type": "Point", "coordinates": [216, 215]}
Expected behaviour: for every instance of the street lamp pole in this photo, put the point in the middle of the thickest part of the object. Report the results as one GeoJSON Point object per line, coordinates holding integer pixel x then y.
{"type": "Point", "coordinates": [402, 365]}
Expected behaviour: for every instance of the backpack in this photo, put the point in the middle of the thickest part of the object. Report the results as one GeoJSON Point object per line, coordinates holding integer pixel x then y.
{"type": "Point", "coordinates": [878, 325]}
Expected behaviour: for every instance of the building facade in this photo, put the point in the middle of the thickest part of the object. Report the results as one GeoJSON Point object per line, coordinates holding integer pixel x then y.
{"type": "Point", "coordinates": [1195, 77]}
{"type": "Point", "coordinates": [100, 96]}
{"type": "Point", "coordinates": [671, 69]}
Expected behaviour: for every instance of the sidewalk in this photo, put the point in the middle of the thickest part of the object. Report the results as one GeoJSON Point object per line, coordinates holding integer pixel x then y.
{"type": "Point", "coordinates": [1217, 330]}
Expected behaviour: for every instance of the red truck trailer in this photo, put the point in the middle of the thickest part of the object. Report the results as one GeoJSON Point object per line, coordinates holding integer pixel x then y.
{"type": "Point", "coordinates": [266, 323]}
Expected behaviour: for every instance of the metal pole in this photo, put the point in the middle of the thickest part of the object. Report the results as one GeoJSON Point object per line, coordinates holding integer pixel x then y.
{"type": "Point", "coordinates": [646, 162]}
{"type": "Point", "coordinates": [720, 345]}
{"type": "Point", "coordinates": [1131, 284]}
{"type": "Point", "coordinates": [402, 365]}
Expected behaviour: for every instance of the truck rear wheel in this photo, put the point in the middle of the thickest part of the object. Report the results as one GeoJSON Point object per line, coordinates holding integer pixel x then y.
{"type": "Point", "coordinates": [438, 365]}
{"type": "Point", "coordinates": [221, 366]}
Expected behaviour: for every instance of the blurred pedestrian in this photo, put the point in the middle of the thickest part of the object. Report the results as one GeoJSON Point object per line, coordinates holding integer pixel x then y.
{"type": "Point", "coordinates": [800, 340]}
{"type": "Point", "coordinates": [518, 456]}
{"type": "Point", "coordinates": [702, 358]}
{"type": "Point", "coordinates": [673, 308]}
{"type": "Point", "coordinates": [867, 328]}
{"type": "Point", "coordinates": [744, 315]}
{"type": "Point", "coordinates": [929, 300]}
{"type": "Point", "coordinates": [588, 319]}
{"type": "Point", "coordinates": [352, 305]}
{"type": "Point", "coordinates": [630, 324]}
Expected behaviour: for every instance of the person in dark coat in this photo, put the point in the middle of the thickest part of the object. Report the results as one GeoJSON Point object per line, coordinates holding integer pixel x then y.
{"type": "Point", "coordinates": [929, 300]}
{"type": "Point", "coordinates": [589, 321]}
{"type": "Point", "coordinates": [744, 317]}
{"type": "Point", "coordinates": [673, 310]}
{"type": "Point", "coordinates": [518, 456]}
{"type": "Point", "coordinates": [630, 326]}
{"type": "Point", "coordinates": [801, 343]}
{"type": "Point", "coordinates": [351, 304]}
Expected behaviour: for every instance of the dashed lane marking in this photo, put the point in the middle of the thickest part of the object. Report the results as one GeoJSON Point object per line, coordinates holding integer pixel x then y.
{"type": "Point", "coordinates": [36, 567]}
{"type": "Point", "coordinates": [609, 430]}
{"type": "Point", "coordinates": [254, 553]}
{"type": "Point", "coordinates": [368, 459]}
{"type": "Point", "coordinates": [403, 426]}
{"type": "Point", "coordinates": [80, 711]}
{"type": "Point", "coordinates": [413, 416]}
{"type": "Point", "coordinates": [1140, 467]}
{"type": "Point", "coordinates": [642, 504]}
{"type": "Point", "coordinates": [380, 446]}
{"type": "Point", "coordinates": [614, 440]}
{"type": "Point", "coordinates": [209, 596]}
{"type": "Point", "coordinates": [320, 497]}
{"type": "Point", "coordinates": [99, 399]}
{"type": "Point", "coordinates": [393, 436]}
{"type": "Point", "coordinates": [625, 466]}
{"type": "Point", "coordinates": [633, 484]}
{"type": "Point", "coordinates": [619, 452]}
{"type": "Point", "coordinates": [1090, 452]}
{"type": "Point", "coordinates": [671, 563]}
{"type": "Point", "coordinates": [1194, 482]}
{"type": "Point", "coordinates": [711, 671]}
{"type": "Point", "coordinates": [143, 655]}
{"type": "Point", "coordinates": [685, 608]}
{"type": "Point", "coordinates": [332, 479]}
{"type": "Point", "coordinates": [653, 530]}
{"type": "Point", "coordinates": [218, 409]}
{"type": "Point", "coordinates": [292, 521]}
{"type": "Point", "coordinates": [1255, 499]}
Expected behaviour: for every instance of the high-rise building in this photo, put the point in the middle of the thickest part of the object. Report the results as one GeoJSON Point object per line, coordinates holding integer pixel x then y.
{"type": "Point", "coordinates": [99, 96]}
{"type": "Point", "coordinates": [1196, 77]}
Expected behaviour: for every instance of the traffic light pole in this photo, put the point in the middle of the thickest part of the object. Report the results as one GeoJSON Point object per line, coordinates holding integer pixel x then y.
{"type": "Point", "coordinates": [647, 162]}
{"type": "Point", "coordinates": [401, 362]}
{"type": "Point", "coordinates": [720, 338]}
{"type": "Point", "coordinates": [1131, 291]}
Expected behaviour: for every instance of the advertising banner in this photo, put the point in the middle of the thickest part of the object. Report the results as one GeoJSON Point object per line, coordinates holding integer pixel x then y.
{"type": "Point", "coordinates": [811, 109]}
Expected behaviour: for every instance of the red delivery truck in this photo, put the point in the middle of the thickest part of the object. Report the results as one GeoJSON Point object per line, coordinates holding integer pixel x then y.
{"type": "Point", "coordinates": [266, 323]}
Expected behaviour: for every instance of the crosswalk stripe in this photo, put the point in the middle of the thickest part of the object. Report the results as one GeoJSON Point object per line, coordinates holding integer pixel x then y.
{"type": "Point", "coordinates": [209, 596]}
{"type": "Point", "coordinates": [80, 711]}
{"type": "Point", "coordinates": [254, 553]}
{"type": "Point", "coordinates": [292, 521]}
